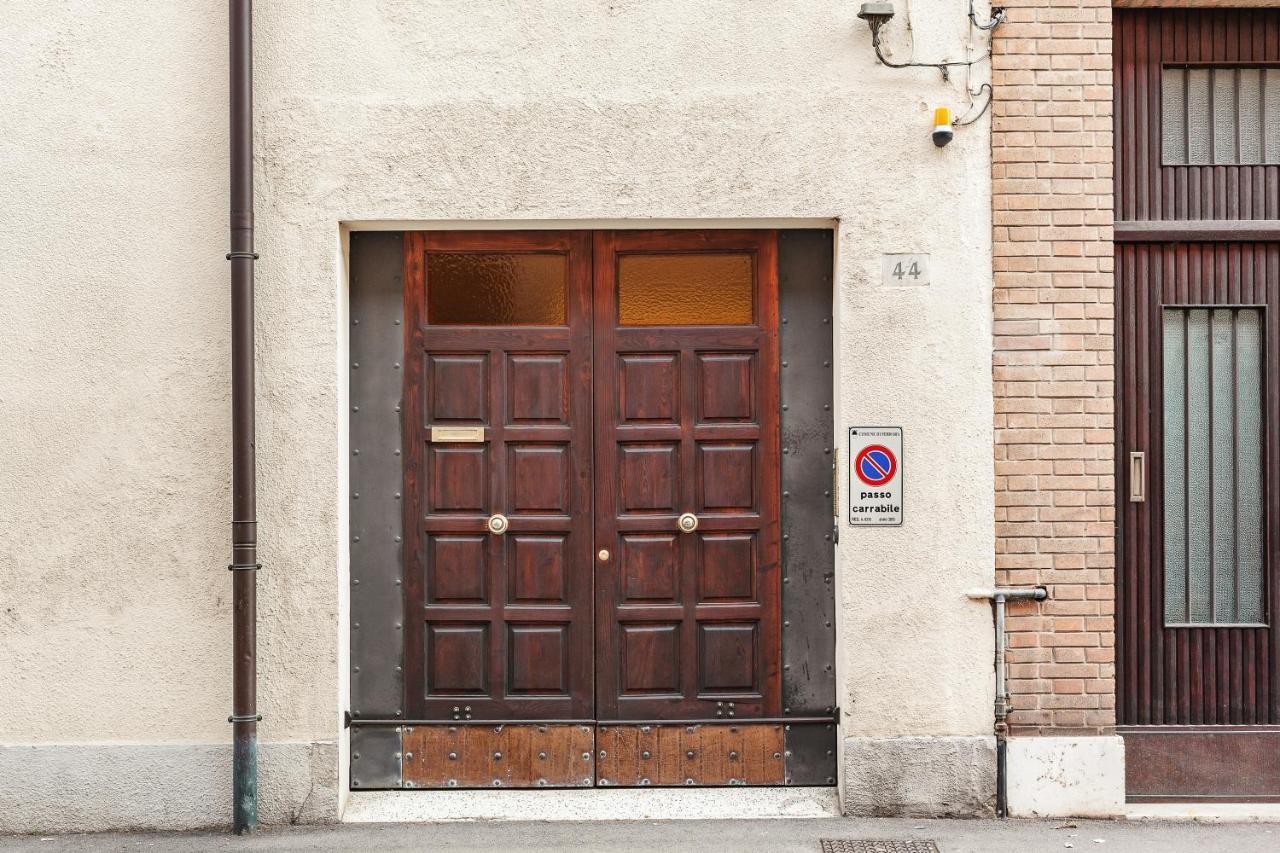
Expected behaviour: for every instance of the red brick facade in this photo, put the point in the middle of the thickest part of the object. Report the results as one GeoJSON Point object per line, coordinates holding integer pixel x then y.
{"type": "Point", "coordinates": [1054, 357]}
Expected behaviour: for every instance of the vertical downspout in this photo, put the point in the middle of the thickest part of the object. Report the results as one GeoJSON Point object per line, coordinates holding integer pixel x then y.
{"type": "Point", "coordinates": [244, 512]}
{"type": "Point", "coordinates": [998, 596]}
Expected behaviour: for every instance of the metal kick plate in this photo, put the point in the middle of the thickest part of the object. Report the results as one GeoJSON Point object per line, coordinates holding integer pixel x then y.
{"type": "Point", "coordinates": [456, 435]}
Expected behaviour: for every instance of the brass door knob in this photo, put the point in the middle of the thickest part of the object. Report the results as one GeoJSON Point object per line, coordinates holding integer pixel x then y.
{"type": "Point", "coordinates": [498, 524]}
{"type": "Point", "coordinates": [687, 522]}
{"type": "Point", "coordinates": [603, 555]}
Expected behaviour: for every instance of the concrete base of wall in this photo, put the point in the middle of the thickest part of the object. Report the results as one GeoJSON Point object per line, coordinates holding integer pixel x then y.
{"type": "Point", "coordinates": [1066, 777]}
{"type": "Point", "coordinates": [591, 804]}
{"type": "Point", "coordinates": [91, 787]}
{"type": "Point", "coordinates": [919, 776]}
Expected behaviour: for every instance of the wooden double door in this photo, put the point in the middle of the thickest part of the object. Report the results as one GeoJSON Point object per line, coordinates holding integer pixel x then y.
{"type": "Point", "coordinates": [591, 507]}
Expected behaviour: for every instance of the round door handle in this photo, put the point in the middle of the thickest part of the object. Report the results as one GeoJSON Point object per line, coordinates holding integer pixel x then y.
{"type": "Point", "coordinates": [688, 522]}
{"type": "Point", "coordinates": [498, 524]}
{"type": "Point", "coordinates": [603, 555]}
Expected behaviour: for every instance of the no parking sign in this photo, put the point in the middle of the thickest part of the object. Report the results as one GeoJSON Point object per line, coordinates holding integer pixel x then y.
{"type": "Point", "coordinates": [875, 476]}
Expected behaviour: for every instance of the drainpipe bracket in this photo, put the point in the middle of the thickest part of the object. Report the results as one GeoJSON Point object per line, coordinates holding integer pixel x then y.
{"type": "Point", "coordinates": [245, 718]}
{"type": "Point", "coordinates": [253, 256]}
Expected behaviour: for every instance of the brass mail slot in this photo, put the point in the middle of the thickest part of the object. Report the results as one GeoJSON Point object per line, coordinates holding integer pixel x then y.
{"type": "Point", "coordinates": [456, 434]}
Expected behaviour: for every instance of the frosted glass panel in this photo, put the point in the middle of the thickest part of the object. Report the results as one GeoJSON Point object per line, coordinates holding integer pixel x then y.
{"type": "Point", "coordinates": [1175, 472]}
{"type": "Point", "coordinates": [1198, 119]}
{"type": "Point", "coordinates": [1225, 116]}
{"type": "Point", "coordinates": [1250, 119]}
{"type": "Point", "coordinates": [1213, 466]}
{"type": "Point", "coordinates": [686, 290]}
{"type": "Point", "coordinates": [1222, 115]}
{"type": "Point", "coordinates": [1173, 135]}
{"type": "Point", "coordinates": [1198, 507]}
{"type": "Point", "coordinates": [1271, 115]}
{"type": "Point", "coordinates": [1249, 542]}
{"type": "Point", "coordinates": [495, 289]}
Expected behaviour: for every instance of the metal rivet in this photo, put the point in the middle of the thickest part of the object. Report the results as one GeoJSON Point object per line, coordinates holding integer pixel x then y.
{"type": "Point", "coordinates": [784, 364]}
{"type": "Point", "coordinates": [542, 755]}
{"type": "Point", "coordinates": [399, 669]}
{"type": "Point", "coordinates": [397, 365]}
{"type": "Point", "coordinates": [355, 365]}
{"type": "Point", "coordinates": [397, 451]}
{"type": "Point", "coordinates": [355, 581]}
{"type": "Point", "coordinates": [786, 666]}
{"type": "Point", "coordinates": [356, 756]}
{"type": "Point", "coordinates": [777, 755]}
{"type": "Point", "coordinates": [786, 623]}
{"type": "Point", "coordinates": [355, 669]}
{"type": "Point", "coordinates": [355, 496]}
{"type": "Point", "coordinates": [397, 322]}
{"type": "Point", "coordinates": [355, 452]}
{"type": "Point", "coordinates": [645, 754]}
{"type": "Point", "coordinates": [355, 538]}
{"type": "Point", "coordinates": [542, 783]}
{"type": "Point", "coordinates": [497, 756]}
{"type": "Point", "coordinates": [355, 408]}
{"type": "Point", "coordinates": [689, 754]}
{"type": "Point", "coordinates": [688, 781]}
{"type": "Point", "coordinates": [586, 756]}
{"type": "Point", "coordinates": [784, 407]}
{"type": "Point", "coordinates": [452, 783]}
{"type": "Point", "coordinates": [733, 756]}
{"type": "Point", "coordinates": [603, 753]}
{"type": "Point", "coordinates": [355, 322]}
{"type": "Point", "coordinates": [355, 625]}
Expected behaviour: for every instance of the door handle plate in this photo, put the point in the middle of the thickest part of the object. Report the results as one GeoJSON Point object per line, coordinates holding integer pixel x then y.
{"type": "Point", "coordinates": [688, 522]}
{"type": "Point", "coordinates": [1137, 476]}
{"type": "Point", "coordinates": [498, 524]}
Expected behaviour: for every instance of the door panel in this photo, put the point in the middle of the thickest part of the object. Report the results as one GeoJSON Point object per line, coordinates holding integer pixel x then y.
{"type": "Point", "coordinates": [499, 625]}
{"type": "Point", "coordinates": [686, 423]}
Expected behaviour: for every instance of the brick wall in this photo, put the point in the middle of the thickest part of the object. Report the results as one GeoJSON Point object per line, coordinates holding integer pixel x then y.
{"type": "Point", "coordinates": [1054, 358]}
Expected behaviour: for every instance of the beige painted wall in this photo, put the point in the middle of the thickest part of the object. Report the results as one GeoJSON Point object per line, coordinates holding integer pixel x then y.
{"type": "Point", "coordinates": [114, 502]}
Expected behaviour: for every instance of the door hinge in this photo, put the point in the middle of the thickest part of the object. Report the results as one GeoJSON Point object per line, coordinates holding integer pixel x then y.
{"type": "Point", "coordinates": [835, 483]}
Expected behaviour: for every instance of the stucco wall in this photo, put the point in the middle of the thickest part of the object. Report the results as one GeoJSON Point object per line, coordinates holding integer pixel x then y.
{"type": "Point", "coordinates": [114, 502]}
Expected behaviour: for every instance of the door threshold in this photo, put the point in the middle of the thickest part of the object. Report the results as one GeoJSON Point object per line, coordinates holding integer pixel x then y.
{"type": "Point", "coordinates": [1214, 812]}
{"type": "Point", "coordinates": [594, 804]}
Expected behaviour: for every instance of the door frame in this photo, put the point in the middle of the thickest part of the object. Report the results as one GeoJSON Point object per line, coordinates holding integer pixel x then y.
{"type": "Point", "coordinates": [375, 713]}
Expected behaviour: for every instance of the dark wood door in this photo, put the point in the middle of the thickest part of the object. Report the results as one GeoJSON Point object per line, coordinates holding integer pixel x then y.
{"type": "Point", "coordinates": [498, 429]}
{"type": "Point", "coordinates": [686, 425]}
{"type": "Point", "coordinates": [1198, 393]}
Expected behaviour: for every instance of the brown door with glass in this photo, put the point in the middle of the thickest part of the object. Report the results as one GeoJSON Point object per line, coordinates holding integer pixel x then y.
{"type": "Point", "coordinates": [1198, 341]}
{"type": "Point", "coordinates": [591, 509]}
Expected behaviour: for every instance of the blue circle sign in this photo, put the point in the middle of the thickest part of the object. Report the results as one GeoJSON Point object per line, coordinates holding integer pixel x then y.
{"type": "Point", "coordinates": [875, 465]}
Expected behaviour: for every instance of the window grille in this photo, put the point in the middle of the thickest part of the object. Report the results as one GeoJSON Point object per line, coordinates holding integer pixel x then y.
{"type": "Point", "coordinates": [1213, 466]}
{"type": "Point", "coordinates": [1223, 115]}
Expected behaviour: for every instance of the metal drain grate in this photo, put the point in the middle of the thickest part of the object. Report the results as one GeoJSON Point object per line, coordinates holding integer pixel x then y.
{"type": "Point", "coordinates": [846, 845]}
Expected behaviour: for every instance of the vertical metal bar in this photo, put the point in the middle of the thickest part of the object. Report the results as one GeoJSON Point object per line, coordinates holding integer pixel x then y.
{"type": "Point", "coordinates": [244, 535]}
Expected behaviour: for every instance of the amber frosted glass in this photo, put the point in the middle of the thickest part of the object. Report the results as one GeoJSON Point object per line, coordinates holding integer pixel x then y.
{"type": "Point", "coordinates": [495, 289]}
{"type": "Point", "coordinates": [685, 290]}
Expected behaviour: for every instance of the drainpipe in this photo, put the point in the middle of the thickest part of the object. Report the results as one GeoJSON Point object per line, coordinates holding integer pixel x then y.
{"type": "Point", "coordinates": [244, 512]}
{"type": "Point", "coordinates": [998, 596]}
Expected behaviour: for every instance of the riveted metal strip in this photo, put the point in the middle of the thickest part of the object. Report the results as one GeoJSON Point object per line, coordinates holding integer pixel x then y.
{"type": "Point", "coordinates": [376, 486]}
{"type": "Point", "coordinates": [377, 758]}
{"type": "Point", "coordinates": [806, 352]}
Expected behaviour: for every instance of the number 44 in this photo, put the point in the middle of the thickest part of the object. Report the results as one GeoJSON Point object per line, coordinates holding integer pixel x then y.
{"type": "Point", "coordinates": [913, 270]}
